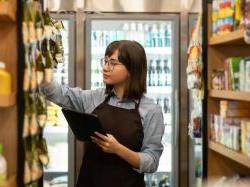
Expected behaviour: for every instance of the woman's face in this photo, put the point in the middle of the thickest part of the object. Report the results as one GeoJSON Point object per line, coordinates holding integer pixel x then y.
{"type": "Point", "coordinates": [114, 72]}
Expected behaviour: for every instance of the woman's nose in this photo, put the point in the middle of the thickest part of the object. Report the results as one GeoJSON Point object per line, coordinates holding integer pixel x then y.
{"type": "Point", "coordinates": [106, 68]}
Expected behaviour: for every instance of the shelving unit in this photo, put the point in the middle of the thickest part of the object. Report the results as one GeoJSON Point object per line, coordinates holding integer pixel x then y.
{"type": "Point", "coordinates": [7, 13]}
{"type": "Point", "coordinates": [235, 37]}
{"type": "Point", "coordinates": [223, 161]}
{"type": "Point", "coordinates": [231, 95]}
{"type": "Point", "coordinates": [229, 153]}
{"type": "Point", "coordinates": [8, 105]}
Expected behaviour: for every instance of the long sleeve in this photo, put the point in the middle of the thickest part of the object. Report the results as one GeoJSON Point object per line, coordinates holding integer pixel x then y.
{"type": "Point", "coordinates": [73, 98]}
{"type": "Point", "coordinates": [152, 147]}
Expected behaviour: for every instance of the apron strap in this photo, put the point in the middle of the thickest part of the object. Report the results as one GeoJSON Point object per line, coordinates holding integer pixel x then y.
{"type": "Point", "coordinates": [137, 104]}
{"type": "Point", "coordinates": [107, 97]}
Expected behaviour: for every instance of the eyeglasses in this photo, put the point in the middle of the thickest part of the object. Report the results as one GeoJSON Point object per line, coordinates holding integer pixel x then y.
{"type": "Point", "coordinates": [110, 62]}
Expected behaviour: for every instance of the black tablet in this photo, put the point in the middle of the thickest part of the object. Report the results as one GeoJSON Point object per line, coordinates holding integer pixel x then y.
{"type": "Point", "coordinates": [83, 125]}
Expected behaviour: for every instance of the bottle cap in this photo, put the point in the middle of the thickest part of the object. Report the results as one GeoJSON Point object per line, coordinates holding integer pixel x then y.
{"type": "Point", "coordinates": [1, 148]}
{"type": "Point", "coordinates": [2, 65]}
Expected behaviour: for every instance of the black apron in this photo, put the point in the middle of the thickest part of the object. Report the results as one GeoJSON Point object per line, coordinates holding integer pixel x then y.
{"type": "Point", "coordinates": [100, 169]}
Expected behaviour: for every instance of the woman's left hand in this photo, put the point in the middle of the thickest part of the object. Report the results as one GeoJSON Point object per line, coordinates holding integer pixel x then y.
{"type": "Point", "coordinates": [107, 143]}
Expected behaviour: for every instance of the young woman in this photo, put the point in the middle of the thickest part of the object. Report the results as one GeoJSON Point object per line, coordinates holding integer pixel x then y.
{"type": "Point", "coordinates": [133, 121]}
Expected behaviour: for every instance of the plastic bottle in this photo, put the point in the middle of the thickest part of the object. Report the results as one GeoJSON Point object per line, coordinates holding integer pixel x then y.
{"type": "Point", "coordinates": [155, 35]}
{"type": "Point", "coordinates": [168, 35]}
{"type": "Point", "coordinates": [5, 80]}
{"type": "Point", "coordinates": [3, 166]}
{"type": "Point", "coordinates": [133, 31]}
{"type": "Point", "coordinates": [162, 38]}
{"type": "Point", "coordinates": [140, 34]}
{"type": "Point", "coordinates": [148, 35]}
{"type": "Point", "coordinates": [125, 29]}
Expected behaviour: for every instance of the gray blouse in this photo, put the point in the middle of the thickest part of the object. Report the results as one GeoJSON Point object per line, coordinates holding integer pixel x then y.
{"type": "Point", "coordinates": [87, 100]}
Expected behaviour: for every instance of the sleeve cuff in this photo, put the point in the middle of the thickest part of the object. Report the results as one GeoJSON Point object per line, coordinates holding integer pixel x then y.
{"type": "Point", "coordinates": [146, 162]}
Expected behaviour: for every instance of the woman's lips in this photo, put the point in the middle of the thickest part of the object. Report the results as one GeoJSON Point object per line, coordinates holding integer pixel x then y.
{"type": "Point", "coordinates": [105, 76]}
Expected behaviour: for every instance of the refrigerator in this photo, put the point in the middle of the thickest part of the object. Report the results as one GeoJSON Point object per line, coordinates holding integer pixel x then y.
{"type": "Point", "coordinates": [60, 140]}
{"type": "Point", "coordinates": [159, 35]}
{"type": "Point", "coordinates": [195, 140]}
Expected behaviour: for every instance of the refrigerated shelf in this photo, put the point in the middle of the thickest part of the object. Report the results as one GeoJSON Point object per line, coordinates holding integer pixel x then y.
{"type": "Point", "coordinates": [49, 129]}
{"type": "Point", "coordinates": [159, 89]}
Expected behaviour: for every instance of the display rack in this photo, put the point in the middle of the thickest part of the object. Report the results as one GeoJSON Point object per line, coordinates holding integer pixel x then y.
{"type": "Point", "coordinates": [229, 153]}
{"type": "Point", "coordinates": [8, 104]}
{"type": "Point", "coordinates": [221, 160]}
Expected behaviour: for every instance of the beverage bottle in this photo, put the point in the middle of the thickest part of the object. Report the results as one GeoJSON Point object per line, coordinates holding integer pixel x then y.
{"type": "Point", "coordinates": [155, 36]}
{"type": "Point", "coordinates": [126, 31]}
{"type": "Point", "coordinates": [161, 35]}
{"type": "Point", "coordinates": [160, 74]}
{"type": "Point", "coordinates": [166, 67]}
{"type": "Point", "coordinates": [140, 34]}
{"type": "Point", "coordinates": [147, 77]}
{"type": "Point", "coordinates": [98, 38]}
{"type": "Point", "coordinates": [133, 32]}
{"type": "Point", "coordinates": [112, 35]}
{"type": "Point", "coordinates": [154, 73]}
{"type": "Point", "coordinates": [5, 80]}
{"type": "Point", "coordinates": [120, 35]}
{"type": "Point", "coordinates": [3, 166]}
{"type": "Point", "coordinates": [93, 39]}
{"type": "Point", "coordinates": [168, 35]}
{"type": "Point", "coordinates": [166, 105]}
{"type": "Point", "coordinates": [148, 35]}
{"type": "Point", "coordinates": [106, 38]}
{"type": "Point", "coordinates": [150, 70]}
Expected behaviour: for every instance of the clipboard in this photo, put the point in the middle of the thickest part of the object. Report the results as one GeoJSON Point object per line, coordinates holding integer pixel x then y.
{"type": "Point", "coordinates": [83, 125]}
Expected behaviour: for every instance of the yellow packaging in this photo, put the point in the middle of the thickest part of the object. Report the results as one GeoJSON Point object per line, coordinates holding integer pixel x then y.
{"type": "Point", "coordinates": [5, 80]}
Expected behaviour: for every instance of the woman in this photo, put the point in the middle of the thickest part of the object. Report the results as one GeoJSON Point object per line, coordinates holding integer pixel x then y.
{"type": "Point", "coordinates": [133, 122]}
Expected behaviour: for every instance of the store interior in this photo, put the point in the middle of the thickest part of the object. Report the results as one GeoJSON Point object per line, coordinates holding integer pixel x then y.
{"type": "Point", "coordinates": [197, 72]}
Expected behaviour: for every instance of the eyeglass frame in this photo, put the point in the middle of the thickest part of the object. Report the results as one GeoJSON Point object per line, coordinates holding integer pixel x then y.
{"type": "Point", "coordinates": [110, 62]}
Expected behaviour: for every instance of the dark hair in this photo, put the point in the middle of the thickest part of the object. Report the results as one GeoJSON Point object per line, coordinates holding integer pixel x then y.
{"type": "Point", "coordinates": [132, 55]}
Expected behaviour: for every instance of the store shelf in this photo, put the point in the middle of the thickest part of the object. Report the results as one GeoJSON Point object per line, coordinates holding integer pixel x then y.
{"type": "Point", "coordinates": [60, 129]}
{"type": "Point", "coordinates": [7, 100]}
{"type": "Point", "coordinates": [10, 183]}
{"type": "Point", "coordinates": [148, 50]}
{"type": "Point", "coordinates": [159, 90]}
{"type": "Point", "coordinates": [7, 13]}
{"type": "Point", "coordinates": [229, 153]}
{"type": "Point", "coordinates": [235, 37]}
{"type": "Point", "coordinates": [233, 95]}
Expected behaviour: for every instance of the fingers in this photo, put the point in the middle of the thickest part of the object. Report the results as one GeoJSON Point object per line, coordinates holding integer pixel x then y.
{"type": "Point", "coordinates": [104, 145]}
{"type": "Point", "coordinates": [105, 138]}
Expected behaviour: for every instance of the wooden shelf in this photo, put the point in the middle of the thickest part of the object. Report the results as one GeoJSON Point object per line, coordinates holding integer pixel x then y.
{"type": "Point", "coordinates": [7, 13]}
{"type": "Point", "coordinates": [235, 37]}
{"type": "Point", "coordinates": [7, 100]}
{"type": "Point", "coordinates": [229, 153]}
{"type": "Point", "coordinates": [10, 183]}
{"type": "Point", "coordinates": [232, 95]}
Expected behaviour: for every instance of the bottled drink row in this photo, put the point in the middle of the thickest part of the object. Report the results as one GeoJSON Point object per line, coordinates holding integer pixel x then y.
{"type": "Point", "coordinates": [148, 35]}
{"type": "Point", "coordinates": [158, 73]}
{"type": "Point", "coordinates": [158, 179]}
{"type": "Point", "coordinates": [164, 102]}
